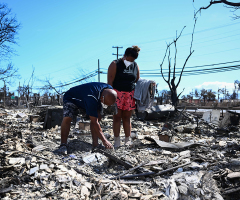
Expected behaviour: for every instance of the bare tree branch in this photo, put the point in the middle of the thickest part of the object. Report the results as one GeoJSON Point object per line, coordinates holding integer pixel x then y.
{"type": "Point", "coordinates": [228, 3]}
{"type": "Point", "coordinates": [8, 30]}
{"type": "Point", "coordinates": [171, 84]}
{"type": "Point", "coordinates": [181, 92]}
{"type": "Point", "coordinates": [191, 52]}
{"type": "Point", "coordinates": [169, 53]}
{"type": "Point", "coordinates": [9, 73]}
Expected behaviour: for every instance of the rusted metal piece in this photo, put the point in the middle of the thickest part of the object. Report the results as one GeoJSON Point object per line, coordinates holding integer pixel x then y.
{"type": "Point", "coordinates": [165, 138]}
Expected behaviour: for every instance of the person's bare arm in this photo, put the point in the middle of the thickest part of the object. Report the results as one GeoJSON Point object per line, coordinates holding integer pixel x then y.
{"type": "Point", "coordinates": [111, 73]}
{"type": "Point", "coordinates": [138, 74]}
{"type": "Point", "coordinates": [97, 132]}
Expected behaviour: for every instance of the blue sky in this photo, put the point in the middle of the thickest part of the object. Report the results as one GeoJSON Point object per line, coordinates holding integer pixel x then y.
{"type": "Point", "coordinates": [63, 40]}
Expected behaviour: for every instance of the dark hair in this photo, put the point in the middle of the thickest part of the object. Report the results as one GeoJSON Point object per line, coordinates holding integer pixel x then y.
{"type": "Point", "coordinates": [132, 51]}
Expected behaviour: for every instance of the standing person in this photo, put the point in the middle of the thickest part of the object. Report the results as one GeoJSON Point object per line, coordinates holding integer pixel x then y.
{"type": "Point", "coordinates": [88, 97]}
{"type": "Point", "coordinates": [122, 76]}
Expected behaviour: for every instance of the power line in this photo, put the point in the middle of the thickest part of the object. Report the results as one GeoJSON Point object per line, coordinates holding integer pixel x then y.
{"type": "Point", "coordinates": [105, 52]}
{"type": "Point", "coordinates": [197, 72]}
{"type": "Point", "coordinates": [86, 77]}
{"type": "Point", "coordinates": [196, 32]}
{"type": "Point", "coordinates": [185, 73]}
{"type": "Point", "coordinates": [89, 75]}
{"type": "Point", "coordinates": [194, 72]}
{"type": "Point", "coordinates": [196, 66]}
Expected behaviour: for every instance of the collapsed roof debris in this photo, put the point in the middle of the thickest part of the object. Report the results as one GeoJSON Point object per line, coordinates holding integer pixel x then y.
{"type": "Point", "coordinates": [199, 160]}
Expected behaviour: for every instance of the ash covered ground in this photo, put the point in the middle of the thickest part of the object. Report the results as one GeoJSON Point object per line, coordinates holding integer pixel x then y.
{"type": "Point", "coordinates": [200, 160]}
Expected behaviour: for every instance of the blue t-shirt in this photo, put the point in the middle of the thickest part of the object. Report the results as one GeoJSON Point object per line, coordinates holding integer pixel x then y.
{"type": "Point", "coordinates": [87, 96]}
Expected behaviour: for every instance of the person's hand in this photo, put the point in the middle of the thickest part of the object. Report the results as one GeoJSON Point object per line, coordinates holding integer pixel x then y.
{"type": "Point", "coordinates": [107, 144]}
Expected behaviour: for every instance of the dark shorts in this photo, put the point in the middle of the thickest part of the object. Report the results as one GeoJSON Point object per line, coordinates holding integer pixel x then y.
{"type": "Point", "coordinates": [125, 100]}
{"type": "Point", "coordinates": [70, 110]}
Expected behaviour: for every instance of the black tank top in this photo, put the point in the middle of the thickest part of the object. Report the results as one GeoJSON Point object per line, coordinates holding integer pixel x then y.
{"type": "Point", "coordinates": [125, 78]}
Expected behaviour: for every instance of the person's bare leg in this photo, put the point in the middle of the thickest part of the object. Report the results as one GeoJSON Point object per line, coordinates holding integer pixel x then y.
{"type": "Point", "coordinates": [117, 123]}
{"type": "Point", "coordinates": [94, 134]}
{"type": "Point", "coordinates": [127, 126]}
{"type": "Point", "coordinates": [65, 128]}
{"type": "Point", "coordinates": [116, 128]}
{"type": "Point", "coordinates": [94, 137]}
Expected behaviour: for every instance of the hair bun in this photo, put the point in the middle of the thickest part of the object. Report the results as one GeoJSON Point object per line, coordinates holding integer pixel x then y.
{"type": "Point", "coordinates": [136, 48]}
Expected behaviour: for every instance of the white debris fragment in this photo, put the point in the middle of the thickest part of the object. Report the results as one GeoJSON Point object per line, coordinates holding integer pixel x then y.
{"type": "Point", "coordinates": [164, 152]}
{"type": "Point", "coordinates": [33, 170]}
{"type": "Point", "coordinates": [84, 191]}
{"type": "Point", "coordinates": [94, 157]}
{"type": "Point", "coordinates": [63, 178]}
{"type": "Point", "coordinates": [12, 161]}
{"type": "Point", "coordinates": [223, 143]}
{"type": "Point", "coordinates": [44, 166]}
{"type": "Point", "coordinates": [195, 165]}
{"type": "Point", "coordinates": [39, 148]}
{"type": "Point", "coordinates": [185, 154]}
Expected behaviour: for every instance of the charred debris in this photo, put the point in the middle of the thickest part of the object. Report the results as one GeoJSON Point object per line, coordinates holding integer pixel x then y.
{"type": "Point", "coordinates": [175, 155]}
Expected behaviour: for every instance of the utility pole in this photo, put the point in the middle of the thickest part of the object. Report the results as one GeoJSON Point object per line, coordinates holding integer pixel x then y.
{"type": "Point", "coordinates": [4, 93]}
{"type": "Point", "coordinates": [19, 95]}
{"type": "Point", "coordinates": [117, 51]}
{"type": "Point", "coordinates": [98, 71]}
{"type": "Point", "coordinates": [225, 93]}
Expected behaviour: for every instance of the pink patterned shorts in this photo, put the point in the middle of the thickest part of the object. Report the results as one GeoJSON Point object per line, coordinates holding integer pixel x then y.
{"type": "Point", "coordinates": [125, 100]}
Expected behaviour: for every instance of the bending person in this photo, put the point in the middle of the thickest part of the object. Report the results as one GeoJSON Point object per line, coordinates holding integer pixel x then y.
{"type": "Point", "coordinates": [88, 97]}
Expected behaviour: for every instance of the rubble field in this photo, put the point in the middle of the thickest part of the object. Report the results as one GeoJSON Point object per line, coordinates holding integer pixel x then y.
{"type": "Point", "coordinates": [178, 157]}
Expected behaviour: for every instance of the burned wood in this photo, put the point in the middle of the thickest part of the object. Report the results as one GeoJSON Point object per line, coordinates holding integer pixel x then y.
{"type": "Point", "coordinates": [126, 172]}
{"type": "Point", "coordinates": [173, 168]}
{"type": "Point", "coordinates": [154, 173]}
{"type": "Point", "coordinates": [156, 162]}
{"type": "Point", "coordinates": [81, 172]}
{"type": "Point", "coordinates": [183, 114]}
{"type": "Point", "coordinates": [125, 164]}
{"type": "Point", "coordinates": [231, 190]}
{"type": "Point", "coordinates": [209, 125]}
{"type": "Point", "coordinates": [6, 190]}
{"type": "Point", "coordinates": [138, 175]}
